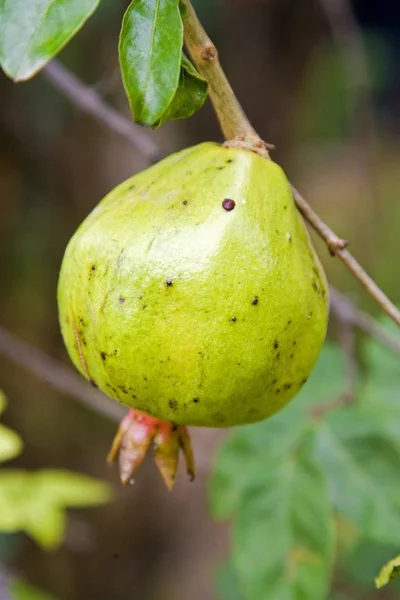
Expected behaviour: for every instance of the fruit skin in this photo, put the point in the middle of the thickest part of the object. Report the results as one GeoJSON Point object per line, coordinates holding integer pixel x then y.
{"type": "Point", "coordinates": [187, 311]}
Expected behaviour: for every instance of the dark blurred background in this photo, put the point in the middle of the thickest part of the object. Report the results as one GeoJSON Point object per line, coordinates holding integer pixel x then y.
{"type": "Point", "coordinates": [320, 79]}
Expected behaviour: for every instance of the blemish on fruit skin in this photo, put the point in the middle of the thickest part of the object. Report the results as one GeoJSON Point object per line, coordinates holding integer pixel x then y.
{"type": "Point", "coordinates": [185, 202]}
{"type": "Point", "coordinates": [93, 383]}
{"type": "Point", "coordinates": [276, 344]}
{"type": "Point", "coordinates": [287, 386]}
{"type": "Point", "coordinates": [234, 319]}
{"type": "Point", "coordinates": [228, 204]}
{"type": "Point", "coordinates": [103, 356]}
{"type": "Point", "coordinates": [93, 267]}
{"type": "Point", "coordinates": [255, 301]}
{"type": "Point", "coordinates": [173, 404]}
{"type": "Point", "coordinates": [196, 400]}
{"type": "Point", "coordinates": [169, 282]}
{"type": "Point", "coordinates": [278, 391]}
{"type": "Point", "coordinates": [121, 300]}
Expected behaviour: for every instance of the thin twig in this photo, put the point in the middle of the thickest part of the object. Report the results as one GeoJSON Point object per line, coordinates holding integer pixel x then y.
{"type": "Point", "coordinates": [90, 102]}
{"type": "Point", "coordinates": [231, 116]}
{"type": "Point", "coordinates": [56, 374]}
{"type": "Point", "coordinates": [337, 247]}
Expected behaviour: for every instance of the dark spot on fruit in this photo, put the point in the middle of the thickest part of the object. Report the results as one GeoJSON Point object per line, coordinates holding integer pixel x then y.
{"type": "Point", "coordinates": [287, 386]}
{"type": "Point", "coordinates": [145, 378]}
{"type": "Point", "coordinates": [294, 343]}
{"type": "Point", "coordinates": [93, 267]}
{"type": "Point", "coordinates": [131, 187]}
{"type": "Point", "coordinates": [173, 404]}
{"type": "Point", "coordinates": [134, 396]}
{"type": "Point", "coordinates": [303, 381]}
{"type": "Point", "coordinates": [315, 286]}
{"type": "Point", "coordinates": [255, 301]}
{"type": "Point", "coordinates": [82, 321]}
{"type": "Point", "coordinates": [278, 391]}
{"type": "Point", "coordinates": [289, 322]}
{"type": "Point", "coordinates": [276, 344]}
{"type": "Point", "coordinates": [123, 389]}
{"type": "Point", "coordinates": [196, 400]}
{"type": "Point", "coordinates": [220, 168]}
{"type": "Point", "coordinates": [278, 355]}
{"type": "Point", "coordinates": [184, 202]}
{"type": "Point", "coordinates": [230, 160]}
{"type": "Point", "coordinates": [310, 315]}
{"type": "Point", "coordinates": [144, 306]}
{"type": "Point", "coordinates": [228, 204]}
{"type": "Point", "coordinates": [285, 207]}
{"type": "Point", "coordinates": [93, 383]}
{"type": "Point", "coordinates": [168, 282]}
{"type": "Point", "coordinates": [103, 355]}
{"type": "Point", "coordinates": [234, 319]}
{"type": "Point", "coordinates": [274, 381]}
{"type": "Point", "coordinates": [121, 300]}
{"type": "Point", "coordinates": [115, 352]}
{"type": "Point", "coordinates": [291, 356]}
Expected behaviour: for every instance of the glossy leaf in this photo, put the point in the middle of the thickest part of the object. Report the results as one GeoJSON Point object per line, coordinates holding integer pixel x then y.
{"type": "Point", "coordinates": [150, 51]}
{"type": "Point", "coordinates": [32, 32]}
{"type": "Point", "coordinates": [388, 572]}
{"type": "Point", "coordinates": [190, 95]}
{"type": "Point", "coordinates": [283, 536]}
{"type": "Point", "coordinates": [36, 502]}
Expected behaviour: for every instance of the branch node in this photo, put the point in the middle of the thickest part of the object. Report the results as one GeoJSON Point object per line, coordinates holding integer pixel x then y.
{"type": "Point", "coordinates": [209, 52]}
{"type": "Point", "coordinates": [335, 244]}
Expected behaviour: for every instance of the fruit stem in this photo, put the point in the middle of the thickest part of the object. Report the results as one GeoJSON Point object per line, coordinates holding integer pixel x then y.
{"type": "Point", "coordinates": [235, 126]}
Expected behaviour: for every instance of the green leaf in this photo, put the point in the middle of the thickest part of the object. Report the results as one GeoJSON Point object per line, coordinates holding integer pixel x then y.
{"type": "Point", "coordinates": [183, 10]}
{"type": "Point", "coordinates": [388, 572]}
{"type": "Point", "coordinates": [22, 591]}
{"type": "Point", "coordinates": [150, 51]}
{"type": "Point", "coordinates": [227, 584]}
{"type": "Point", "coordinates": [36, 502]}
{"type": "Point", "coordinates": [362, 469]}
{"type": "Point", "coordinates": [189, 97]}
{"type": "Point", "coordinates": [32, 32]}
{"type": "Point", "coordinates": [3, 402]}
{"type": "Point", "coordinates": [283, 537]}
{"type": "Point", "coordinates": [10, 442]}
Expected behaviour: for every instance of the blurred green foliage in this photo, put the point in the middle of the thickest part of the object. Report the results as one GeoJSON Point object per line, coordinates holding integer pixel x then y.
{"type": "Point", "coordinates": [36, 502]}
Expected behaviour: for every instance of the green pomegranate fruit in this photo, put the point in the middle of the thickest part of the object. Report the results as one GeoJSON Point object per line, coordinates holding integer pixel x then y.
{"type": "Point", "coordinates": [192, 291]}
